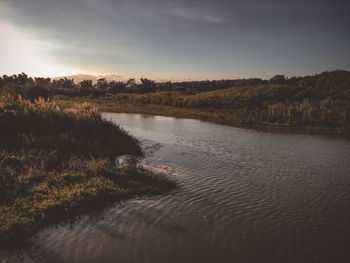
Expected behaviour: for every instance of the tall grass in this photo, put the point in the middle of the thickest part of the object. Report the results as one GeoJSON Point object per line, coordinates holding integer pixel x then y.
{"type": "Point", "coordinates": [56, 164]}
{"type": "Point", "coordinates": [274, 104]}
{"type": "Point", "coordinates": [45, 125]}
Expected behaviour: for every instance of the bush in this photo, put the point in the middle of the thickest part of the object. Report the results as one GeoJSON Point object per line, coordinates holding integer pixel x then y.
{"type": "Point", "coordinates": [33, 92]}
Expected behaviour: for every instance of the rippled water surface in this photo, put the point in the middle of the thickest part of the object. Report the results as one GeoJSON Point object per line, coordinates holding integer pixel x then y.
{"type": "Point", "coordinates": [245, 196]}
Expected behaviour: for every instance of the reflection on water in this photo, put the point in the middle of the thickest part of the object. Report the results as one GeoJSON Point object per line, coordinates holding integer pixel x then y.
{"type": "Point", "coordinates": [245, 196]}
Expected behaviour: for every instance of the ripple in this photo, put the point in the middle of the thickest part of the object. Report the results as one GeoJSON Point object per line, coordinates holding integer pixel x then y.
{"type": "Point", "coordinates": [245, 196]}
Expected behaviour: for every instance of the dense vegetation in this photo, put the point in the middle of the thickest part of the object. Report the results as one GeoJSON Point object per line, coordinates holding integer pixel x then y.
{"type": "Point", "coordinates": [322, 100]}
{"type": "Point", "coordinates": [56, 164]}
{"type": "Point", "coordinates": [31, 87]}
{"type": "Point", "coordinates": [291, 105]}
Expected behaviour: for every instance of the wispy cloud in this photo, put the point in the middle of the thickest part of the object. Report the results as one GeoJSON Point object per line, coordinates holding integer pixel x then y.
{"type": "Point", "coordinates": [179, 38]}
{"type": "Point", "coordinates": [194, 15]}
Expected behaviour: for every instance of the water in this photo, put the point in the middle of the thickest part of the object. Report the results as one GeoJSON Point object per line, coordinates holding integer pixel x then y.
{"type": "Point", "coordinates": [245, 196]}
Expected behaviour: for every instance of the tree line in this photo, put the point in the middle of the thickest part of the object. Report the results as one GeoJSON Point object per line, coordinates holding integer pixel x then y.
{"type": "Point", "coordinates": [321, 99]}
{"type": "Point", "coordinates": [31, 87]}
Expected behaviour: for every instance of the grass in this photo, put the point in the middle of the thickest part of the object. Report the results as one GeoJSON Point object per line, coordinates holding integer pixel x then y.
{"type": "Point", "coordinates": [56, 164]}
{"type": "Point", "coordinates": [231, 117]}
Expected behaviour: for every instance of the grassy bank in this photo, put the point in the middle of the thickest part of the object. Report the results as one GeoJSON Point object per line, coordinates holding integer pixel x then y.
{"type": "Point", "coordinates": [56, 164]}
{"type": "Point", "coordinates": [310, 104]}
{"type": "Point", "coordinates": [231, 117]}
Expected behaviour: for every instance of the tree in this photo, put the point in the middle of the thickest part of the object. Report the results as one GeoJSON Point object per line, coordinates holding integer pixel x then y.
{"type": "Point", "coordinates": [64, 83]}
{"type": "Point", "coordinates": [85, 84]}
{"type": "Point", "coordinates": [116, 87]}
{"type": "Point", "coordinates": [33, 92]}
{"type": "Point", "coordinates": [131, 85]}
{"type": "Point", "coordinates": [43, 81]}
{"type": "Point", "coordinates": [147, 85]}
{"type": "Point", "coordinates": [102, 83]}
{"type": "Point", "coordinates": [278, 79]}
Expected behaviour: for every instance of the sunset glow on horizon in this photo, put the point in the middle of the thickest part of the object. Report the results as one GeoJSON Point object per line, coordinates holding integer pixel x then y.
{"type": "Point", "coordinates": [20, 54]}
{"type": "Point", "coordinates": [168, 40]}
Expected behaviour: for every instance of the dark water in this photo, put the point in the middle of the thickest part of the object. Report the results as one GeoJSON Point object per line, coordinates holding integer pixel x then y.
{"type": "Point", "coordinates": [245, 196]}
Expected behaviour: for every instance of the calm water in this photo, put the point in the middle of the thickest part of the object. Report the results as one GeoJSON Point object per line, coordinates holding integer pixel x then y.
{"type": "Point", "coordinates": [245, 196]}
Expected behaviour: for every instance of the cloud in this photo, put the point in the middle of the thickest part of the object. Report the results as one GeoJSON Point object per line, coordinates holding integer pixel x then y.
{"type": "Point", "coordinates": [194, 15]}
{"type": "Point", "coordinates": [19, 53]}
{"type": "Point", "coordinates": [182, 38]}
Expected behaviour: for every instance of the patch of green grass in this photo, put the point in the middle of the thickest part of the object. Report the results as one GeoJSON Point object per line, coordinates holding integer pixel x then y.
{"type": "Point", "coordinates": [231, 117]}
{"type": "Point", "coordinates": [56, 164]}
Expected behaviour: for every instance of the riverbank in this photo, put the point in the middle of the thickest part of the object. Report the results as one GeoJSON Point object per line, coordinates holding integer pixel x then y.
{"type": "Point", "coordinates": [247, 191]}
{"type": "Point", "coordinates": [222, 116]}
{"type": "Point", "coordinates": [56, 165]}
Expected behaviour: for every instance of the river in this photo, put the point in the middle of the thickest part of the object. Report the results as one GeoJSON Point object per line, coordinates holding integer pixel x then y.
{"type": "Point", "coordinates": [244, 196]}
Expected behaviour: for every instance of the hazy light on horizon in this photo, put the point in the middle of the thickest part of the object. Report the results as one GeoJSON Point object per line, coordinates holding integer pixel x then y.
{"type": "Point", "coordinates": [20, 54]}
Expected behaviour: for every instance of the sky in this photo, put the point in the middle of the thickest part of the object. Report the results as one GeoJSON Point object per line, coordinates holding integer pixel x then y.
{"type": "Point", "coordinates": [174, 40]}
